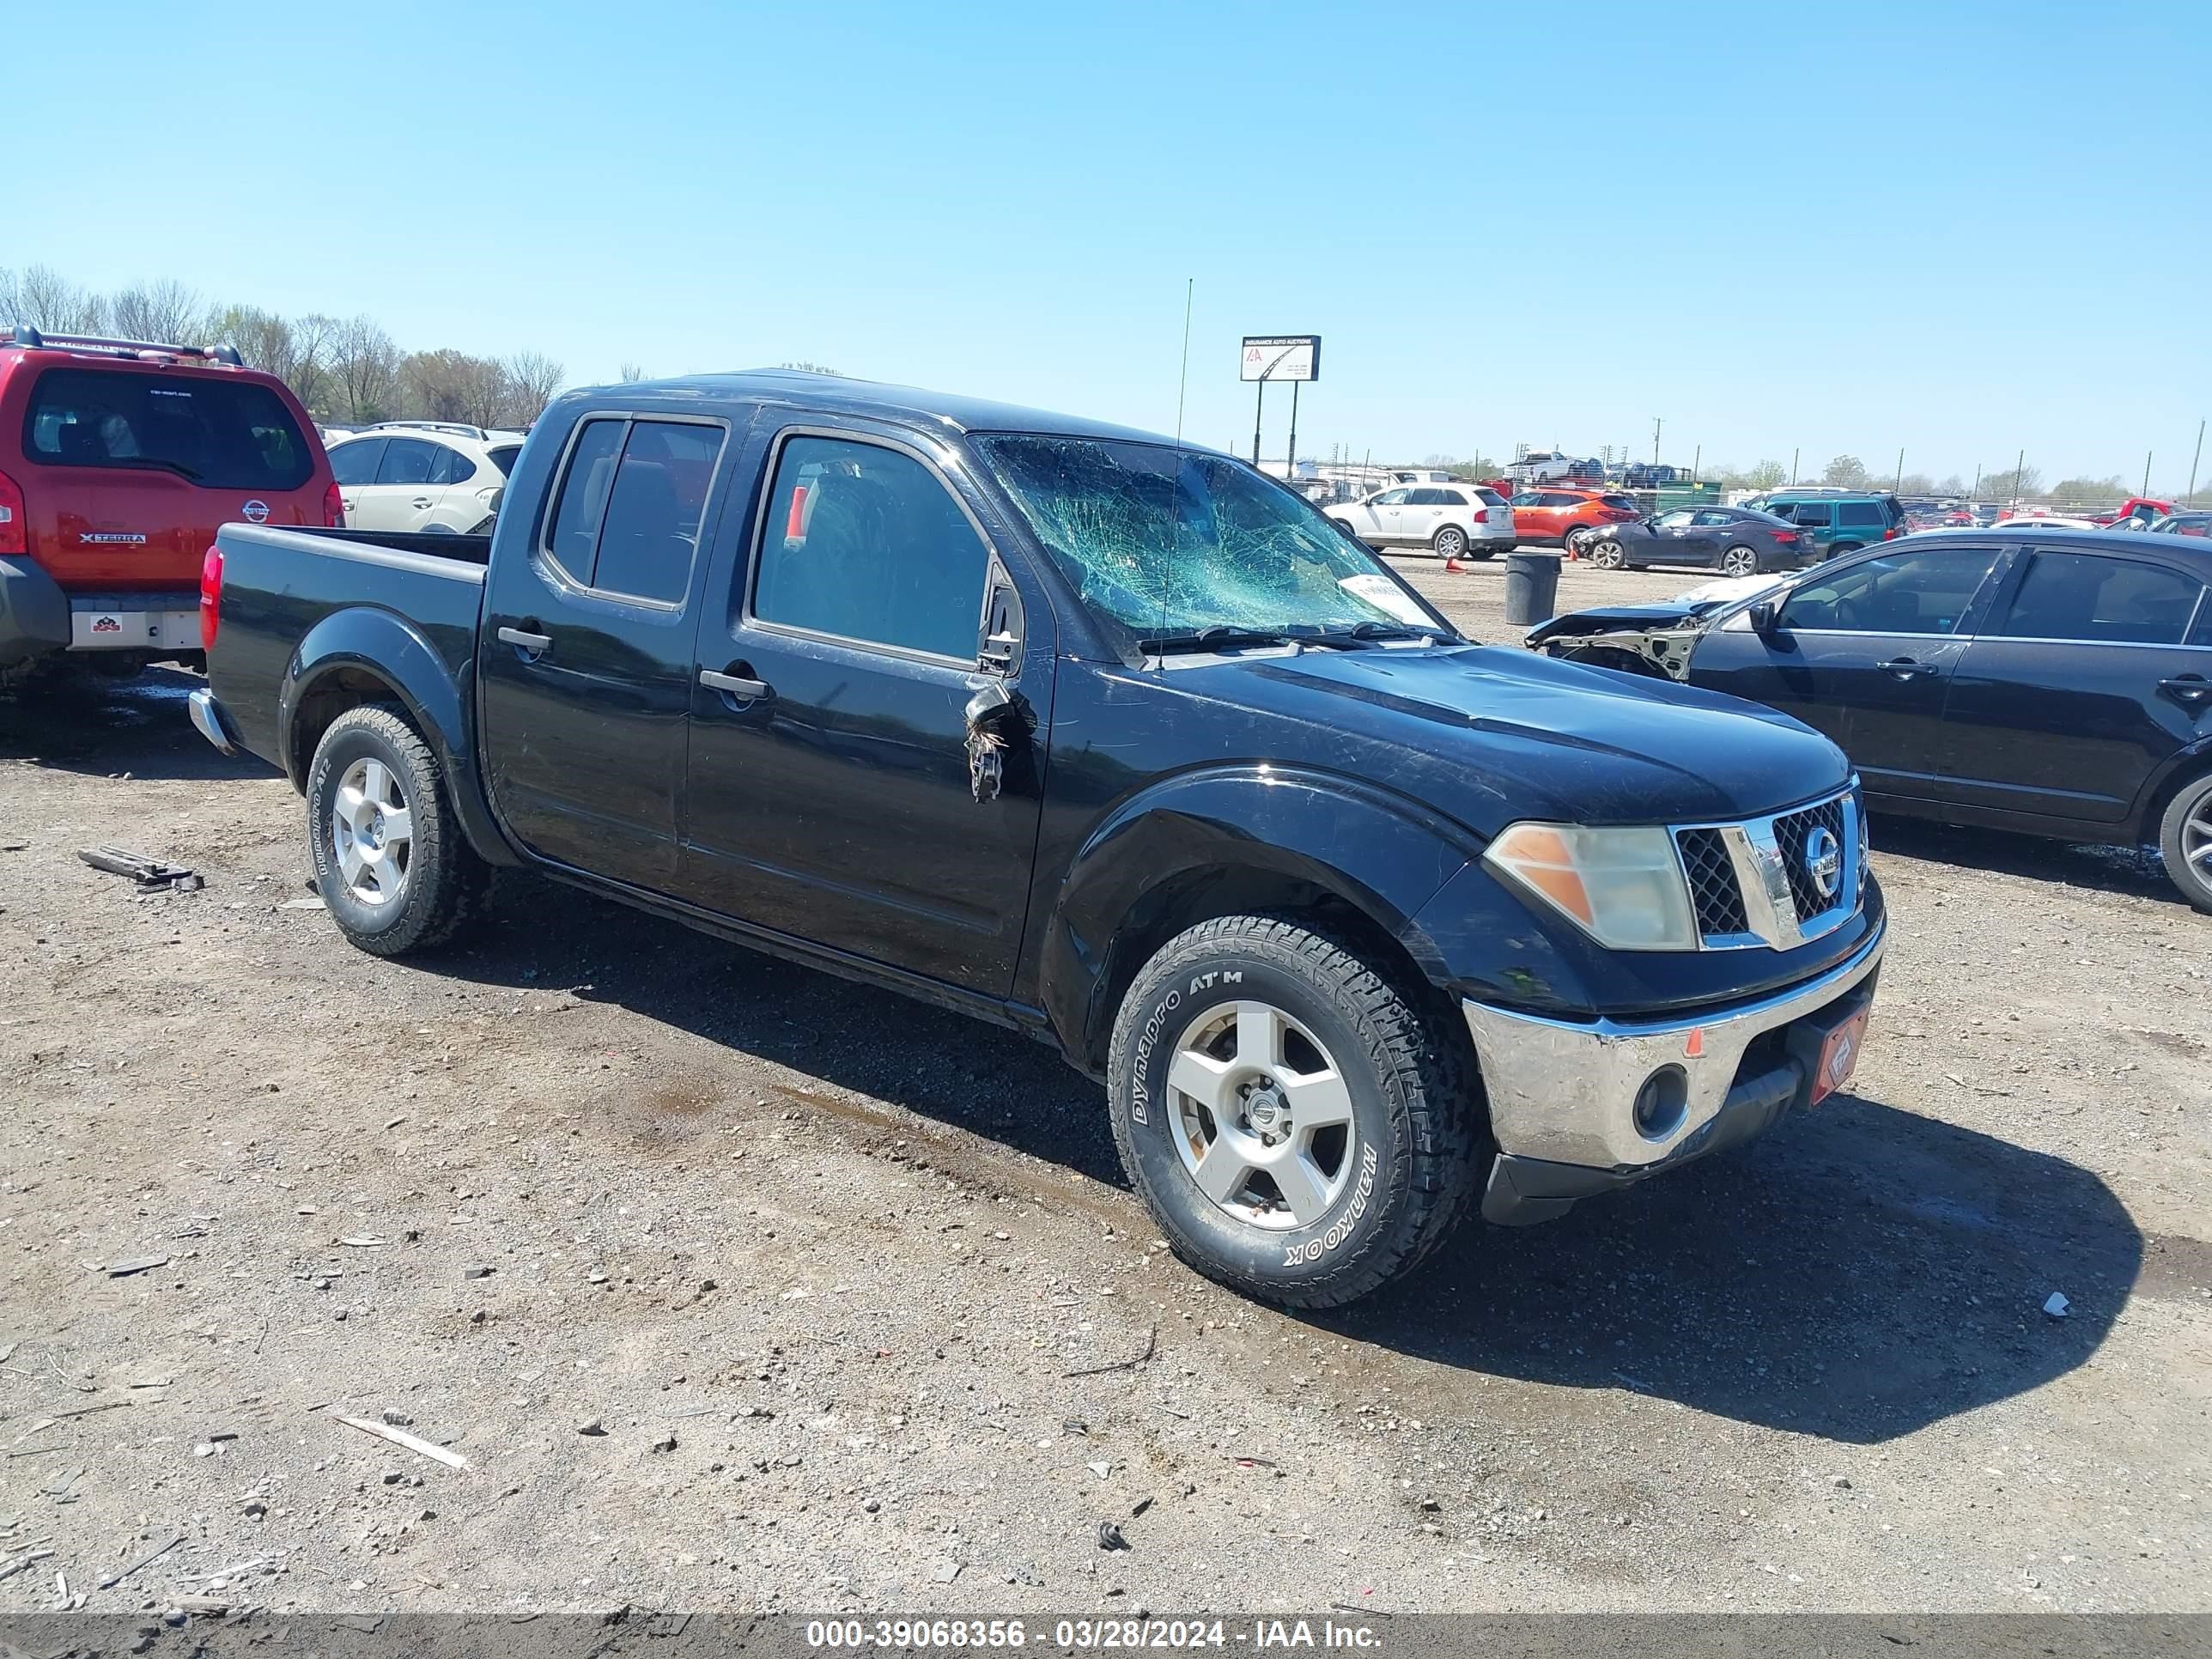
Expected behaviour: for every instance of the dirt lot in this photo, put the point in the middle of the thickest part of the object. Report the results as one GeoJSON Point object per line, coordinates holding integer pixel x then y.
{"type": "Point", "coordinates": [737, 1286]}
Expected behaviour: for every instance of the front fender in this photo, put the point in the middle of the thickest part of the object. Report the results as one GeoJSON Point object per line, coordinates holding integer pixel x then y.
{"type": "Point", "coordinates": [391, 648]}
{"type": "Point", "coordinates": [1220, 832]}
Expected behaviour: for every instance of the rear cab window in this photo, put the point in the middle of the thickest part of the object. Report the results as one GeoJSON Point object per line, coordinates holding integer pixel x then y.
{"type": "Point", "coordinates": [219, 433]}
{"type": "Point", "coordinates": [633, 498]}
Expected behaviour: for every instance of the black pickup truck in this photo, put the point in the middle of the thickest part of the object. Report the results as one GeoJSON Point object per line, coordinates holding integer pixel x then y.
{"type": "Point", "coordinates": [1097, 735]}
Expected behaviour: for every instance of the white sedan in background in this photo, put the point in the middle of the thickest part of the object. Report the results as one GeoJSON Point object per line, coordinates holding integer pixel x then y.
{"type": "Point", "coordinates": [1458, 521]}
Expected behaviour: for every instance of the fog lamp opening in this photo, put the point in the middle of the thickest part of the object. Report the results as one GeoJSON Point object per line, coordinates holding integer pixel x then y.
{"type": "Point", "coordinates": [1661, 1102]}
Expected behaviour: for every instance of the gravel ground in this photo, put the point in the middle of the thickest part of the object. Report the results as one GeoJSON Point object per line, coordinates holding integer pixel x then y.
{"type": "Point", "coordinates": [740, 1287]}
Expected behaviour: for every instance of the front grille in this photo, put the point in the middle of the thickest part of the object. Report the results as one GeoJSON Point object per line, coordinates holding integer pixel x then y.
{"type": "Point", "coordinates": [1713, 893]}
{"type": "Point", "coordinates": [1791, 831]}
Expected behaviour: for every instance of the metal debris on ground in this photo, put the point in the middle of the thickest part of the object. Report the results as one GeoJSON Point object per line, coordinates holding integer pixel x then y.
{"type": "Point", "coordinates": [401, 1438]}
{"type": "Point", "coordinates": [152, 1555]}
{"type": "Point", "coordinates": [1110, 1537]}
{"type": "Point", "coordinates": [137, 1264]}
{"type": "Point", "coordinates": [2057, 1306]}
{"type": "Point", "coordinates": [152, 875]}
{"type": "Point", "coordinates": [1152, 1346]}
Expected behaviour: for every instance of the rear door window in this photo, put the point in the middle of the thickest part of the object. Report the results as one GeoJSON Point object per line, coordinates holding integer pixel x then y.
{"type": "Point", "coordinates": [1810, 512]}
{"type": "Point", "coordinates": [632, 501]}
{"type": "Point", "coordinates": [2089, 598]}
{"type": "Point", "coordinates": [407, 461]}
{"type": "Point", "coordinates": [223, 433]}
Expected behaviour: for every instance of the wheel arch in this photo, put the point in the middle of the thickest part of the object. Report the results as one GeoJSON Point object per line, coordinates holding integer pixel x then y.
{"type": "Point", "coordinates": [1354, 860]}
{"type": "Point", "coordinates": [366, 655]}
{"type": "Point", "coordinates": [2181, 769]}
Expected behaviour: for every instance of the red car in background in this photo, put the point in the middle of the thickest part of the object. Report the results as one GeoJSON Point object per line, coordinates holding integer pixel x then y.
{"type": "Point", "coordinates": [118, 459]}
{"type": "Point", "coordinates": [2136, 513]}
{"type": "Point", "coordinates": [1546, 514]}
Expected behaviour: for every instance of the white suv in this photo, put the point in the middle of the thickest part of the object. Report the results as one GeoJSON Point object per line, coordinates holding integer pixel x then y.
{"type": "Point", "coordinates": [419, 476]}
{"type": "Point", "coordinates": [1454, 519]}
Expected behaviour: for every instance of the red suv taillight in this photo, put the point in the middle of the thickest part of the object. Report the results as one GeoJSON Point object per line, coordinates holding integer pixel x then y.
{"type": "Point", "coordinates": [211, 597]}
{"type": "Point", "coordinates": [1482, 515]}
{"type": "Point", "coordinates": [1892, 532]}
{"type": "Point", "coordinates": [15, 532]}
{"type": "Point", "coordinates": [333, 509]}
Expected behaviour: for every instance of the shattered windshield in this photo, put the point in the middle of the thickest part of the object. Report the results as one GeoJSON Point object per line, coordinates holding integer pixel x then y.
{"type": "Point", "coordinates": [1169, 543]}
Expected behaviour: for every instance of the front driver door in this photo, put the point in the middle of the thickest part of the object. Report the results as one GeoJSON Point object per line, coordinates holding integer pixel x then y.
{"type": "Point", "coordinates": [829, 793]}
{"type": "Point", "coordinates": [1863, 652]}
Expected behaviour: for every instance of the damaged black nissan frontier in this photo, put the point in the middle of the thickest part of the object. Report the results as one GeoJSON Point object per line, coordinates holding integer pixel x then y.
{"type": "Point", "coordinates": [1102, 736]}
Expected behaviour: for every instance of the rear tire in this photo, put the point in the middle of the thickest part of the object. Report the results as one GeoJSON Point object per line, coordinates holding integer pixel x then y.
{"type": "Point", "coordinates": [1369, 1097]}
{"type": "Point", "coordinates": [390, 859]}
{"type": "Point", "coordinates": [1838, 549]}
{"type": "Point", "coordinates": [1740, 561]}
{"type": "Point", "coordinates": [2184, 842]}
{"type": "Point", "coordinates": [1449, 542]}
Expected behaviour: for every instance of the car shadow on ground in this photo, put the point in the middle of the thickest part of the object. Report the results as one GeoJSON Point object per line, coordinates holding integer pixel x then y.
{"type": "Point", "coordinates": [104, 727]}
{"type": "Point", "coordinates": [2109, 869]}
{"type": "Point", "coordinates": [1860, 1274]}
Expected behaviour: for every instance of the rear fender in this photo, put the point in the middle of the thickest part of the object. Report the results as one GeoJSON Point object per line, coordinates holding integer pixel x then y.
{"type": "Point", "coordinates": [349, 648]}
{"type": "Point", "coordinates": [1227, 839]}
{"type": "Point", "coordinates": [2179, 768]}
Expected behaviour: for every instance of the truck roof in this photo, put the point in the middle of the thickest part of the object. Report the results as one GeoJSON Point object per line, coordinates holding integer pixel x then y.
{"type": "Point", "coordinates": [946, 409]}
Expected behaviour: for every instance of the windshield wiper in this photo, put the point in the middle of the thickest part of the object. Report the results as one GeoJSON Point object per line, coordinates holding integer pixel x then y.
{"type": "Point", "coordinates": [1216, 636]}
{"type": "Point", "coordinates": [177, 467]}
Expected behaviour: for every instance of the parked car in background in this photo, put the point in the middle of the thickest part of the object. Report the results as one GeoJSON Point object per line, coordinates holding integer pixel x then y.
{"type": "Point", "coordinates": [1648, 475]}
{"type": "Point", "coordinates": [118, 458]}
{"type": "Point", "coordinates": [1099, 737]}
{"type": "Point", "coordinates": [1455, 520]}
{"type": "Point", "coordinates": [2042, 520]}
{"type": "Point", "coordinates": [1838, 520]}
{"type": "Point", "coordinates": [423, 477]}
{"type": "Point", "coordinates": [2137, 512]}
{"type": "Point", "coordinates": [1540, 466]}
{"type": "Point", "coordinates": [2055, 682]}
{"type": "Point", "coordinates": [1732, 540]}
{"type": "Point", "coordinates": [1555, 515]}
{"type": "Point", "coordinates": [2183, 524]}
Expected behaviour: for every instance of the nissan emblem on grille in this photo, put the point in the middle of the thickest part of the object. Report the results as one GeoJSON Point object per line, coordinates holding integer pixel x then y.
{"type": "Point", "coordinates": [255, 511]}
{"type": "Point", "coordinates": [1824, 861]}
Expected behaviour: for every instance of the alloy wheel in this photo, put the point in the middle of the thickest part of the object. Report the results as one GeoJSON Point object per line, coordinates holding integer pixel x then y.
{"type": "Point", "coordinates": [1740, 561]}
{"type": "Point", "coordinates": [1262, 1116]}
{"type": "Point", "coordinates": [372, 832]}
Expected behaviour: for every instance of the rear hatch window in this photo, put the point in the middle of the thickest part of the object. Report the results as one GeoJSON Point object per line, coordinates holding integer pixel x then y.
{"type": "Point", "coordinates": [219, 433]}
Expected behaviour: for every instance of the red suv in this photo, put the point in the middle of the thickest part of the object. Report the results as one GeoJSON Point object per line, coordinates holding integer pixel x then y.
{"type": "Point", "coordinates": [118, 460]}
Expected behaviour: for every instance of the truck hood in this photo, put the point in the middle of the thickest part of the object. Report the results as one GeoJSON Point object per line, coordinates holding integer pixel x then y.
{"type": "Point", "coordinates": [1487, 735]}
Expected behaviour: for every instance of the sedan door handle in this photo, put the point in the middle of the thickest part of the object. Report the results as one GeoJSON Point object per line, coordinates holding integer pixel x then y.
{"type": "Point", "coordinates": [2190, 690]}
{"type": "Point", "coordinates": [526, 641]}
{"type": "Point", "coordinates": [737, 685]}
{"type": "Point", "coordinates": [1905, 668]}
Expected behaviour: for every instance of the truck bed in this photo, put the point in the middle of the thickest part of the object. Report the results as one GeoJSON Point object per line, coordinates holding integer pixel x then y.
{"type": "Point", "coordinates": [281, 586]}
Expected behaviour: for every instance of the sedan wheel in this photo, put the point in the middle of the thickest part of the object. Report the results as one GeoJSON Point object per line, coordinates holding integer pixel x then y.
{"type": "Point", "coordinates": [1740, 561]}
{"type": "Point", "coordinates": [1607, 555]}
{"type": "Point", "coordinates": [2185, 842]}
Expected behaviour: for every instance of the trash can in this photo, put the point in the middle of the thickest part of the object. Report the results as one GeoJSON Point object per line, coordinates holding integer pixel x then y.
{"type": "Point", "coordinates": [1532, 584]}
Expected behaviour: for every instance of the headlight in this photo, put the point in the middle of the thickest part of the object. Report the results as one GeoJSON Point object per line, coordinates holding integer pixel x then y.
{"type": "Point", "coordinates": [1624, 887]}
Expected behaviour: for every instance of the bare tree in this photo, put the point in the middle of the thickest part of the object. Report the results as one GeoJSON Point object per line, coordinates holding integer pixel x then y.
{"type": "Point", "coordinates": [532, 380]}
{"type": "Point", "coordinates": [314, 341]}
{"type": "Point", "coordinates": [49, 301]}
{"type": "Point", "coordinates": [166, 312]}
{"type": "Point", "coordinates": [365, 366]}
{"type": "Point", "coordinates": [628, 374]}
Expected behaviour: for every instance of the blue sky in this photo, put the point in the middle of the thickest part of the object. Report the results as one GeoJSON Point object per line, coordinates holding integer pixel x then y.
{"type": "Point", "coordinates": [1815, 227]}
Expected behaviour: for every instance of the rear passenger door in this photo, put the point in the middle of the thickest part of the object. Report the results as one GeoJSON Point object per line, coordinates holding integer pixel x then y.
{"type": "Point", "coordinates": [830, 796]}
{"type": "Point", "coordinates": [585, 663]}
{"type": "Point", "coordinates": [2096, 672]}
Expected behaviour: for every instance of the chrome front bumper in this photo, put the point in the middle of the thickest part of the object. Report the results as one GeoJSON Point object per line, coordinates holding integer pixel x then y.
{"type": "Point", "coordinates": [1565, 1093]}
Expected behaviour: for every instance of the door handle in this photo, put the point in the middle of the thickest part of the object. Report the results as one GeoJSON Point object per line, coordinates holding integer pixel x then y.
{"type": "Point", "coordinates": [536, 644]}
{"type": "Point", "coordinates": [2190, 690]}
{"type": "Point", "coordinates": [422, 501]}
{"type": "Point", "coordinates": [736, 685]}
{"type": "Point", "coordinates": [1905, 668]}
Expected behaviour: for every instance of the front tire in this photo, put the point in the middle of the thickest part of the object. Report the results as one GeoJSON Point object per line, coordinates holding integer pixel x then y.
{"type": "Point", "coordinates": [2184, 842]}
{"type": "Point", "coordinates": [391, 861]}
{"type": "Point", "coordinates": [1300, 1128]}
{"type": "Point", "coordinates": [1606, 555]}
